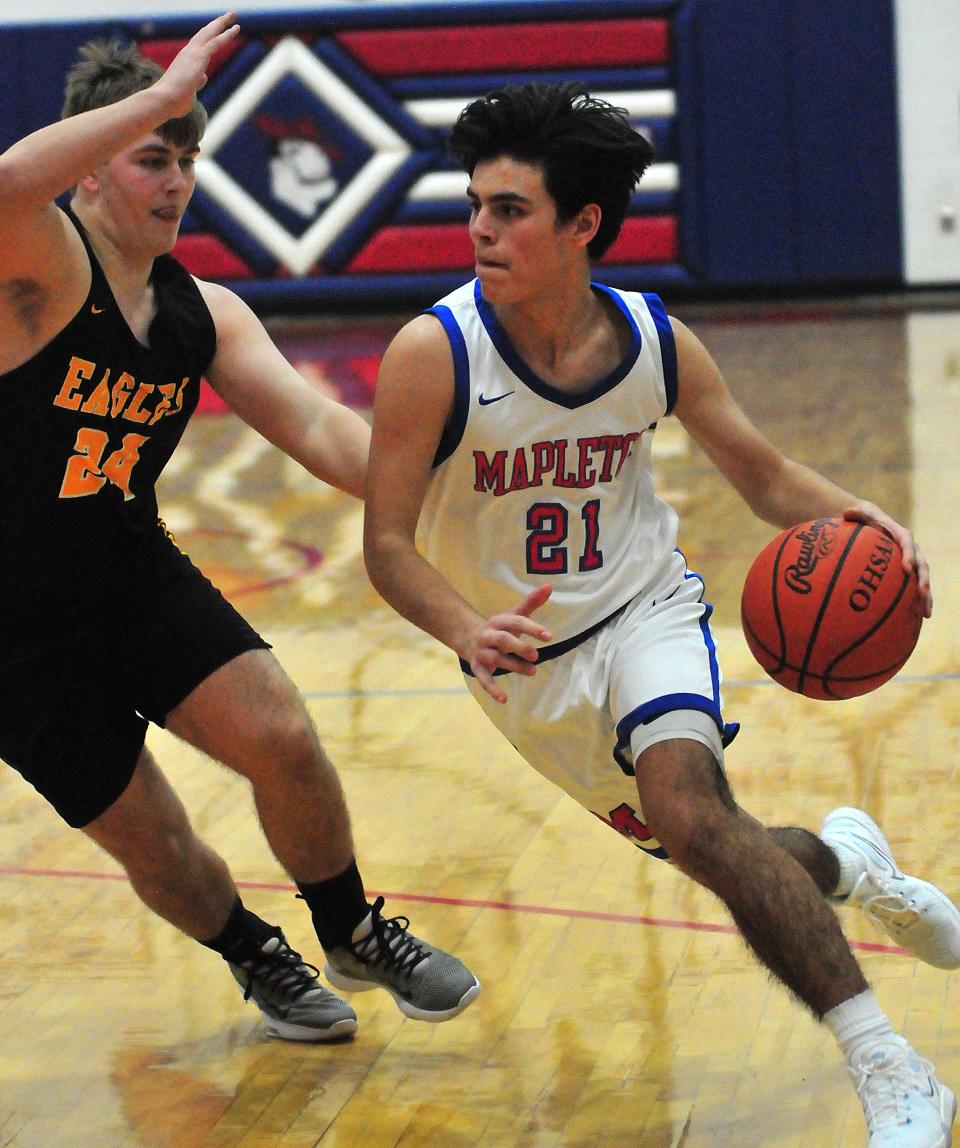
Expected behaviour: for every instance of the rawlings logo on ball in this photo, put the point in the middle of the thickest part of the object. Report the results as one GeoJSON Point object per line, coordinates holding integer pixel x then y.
{"type": "Point", "coordinates": [815, 543]}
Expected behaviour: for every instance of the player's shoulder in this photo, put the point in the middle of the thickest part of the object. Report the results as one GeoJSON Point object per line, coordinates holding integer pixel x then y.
{"type": "Point", "coordinates": [215, 295]}
{"type": "Point", "coordinates": [227, 309]}
{"type": "Point", "coordinates": [423, 334]}
{"type": "Point", "coordinates": [418, 353]}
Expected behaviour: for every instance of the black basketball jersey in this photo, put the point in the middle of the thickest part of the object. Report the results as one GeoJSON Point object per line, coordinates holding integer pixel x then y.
{"type": "Point", "coordinates": [86, 427]}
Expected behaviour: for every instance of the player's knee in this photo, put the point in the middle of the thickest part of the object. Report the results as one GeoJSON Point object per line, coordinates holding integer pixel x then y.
{"type": "Point", "coordinates": [282, 744]}
{"type": "Point", "coordinates": [687, 803]}
{"type": "Point", "coordinates": [697, 838]}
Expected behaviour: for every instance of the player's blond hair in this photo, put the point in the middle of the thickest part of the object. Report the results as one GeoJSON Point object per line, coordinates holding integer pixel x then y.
{"type": "Point", "coordinates": [109, 71]}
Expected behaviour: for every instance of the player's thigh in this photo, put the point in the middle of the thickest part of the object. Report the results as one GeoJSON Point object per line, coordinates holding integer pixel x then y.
{"type": "Point", "coordinates": [211, 679]}
{"type": "Point", "coordinates": [663, 661]}
{"type": "Point", "coordinates": [190, 632]}
{"type": "Point", "coordinates": [249, 715]}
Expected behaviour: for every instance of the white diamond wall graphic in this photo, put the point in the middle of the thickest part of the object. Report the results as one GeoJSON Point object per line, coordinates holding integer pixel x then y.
{"type": "Point", "coordinates": [389, 151]}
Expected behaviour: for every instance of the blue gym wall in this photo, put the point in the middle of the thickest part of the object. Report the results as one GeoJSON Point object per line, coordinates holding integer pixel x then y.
{"type": "Point", "coordinates": [784, 140]}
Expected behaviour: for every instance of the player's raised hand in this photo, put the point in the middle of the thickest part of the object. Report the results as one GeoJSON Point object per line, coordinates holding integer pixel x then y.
{"type": "Point", "coordinates": [187, 72]}
{"type": "Point", "coordinates": [503, 643]}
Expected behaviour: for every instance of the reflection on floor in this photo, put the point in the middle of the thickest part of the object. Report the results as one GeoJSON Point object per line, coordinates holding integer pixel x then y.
{"type": "Point", "coordinates": [619, 1006]}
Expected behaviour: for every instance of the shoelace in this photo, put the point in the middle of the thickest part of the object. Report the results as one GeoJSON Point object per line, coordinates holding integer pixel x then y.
{"type": "Point", "coordinates": [881, 1089]}
{"type": "Point", "coordinates": [282, 970]}
{"type": "Point", "coordinates": [389, 943]}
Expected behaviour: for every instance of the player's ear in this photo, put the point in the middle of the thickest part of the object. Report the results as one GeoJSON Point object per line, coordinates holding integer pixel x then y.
{"type": "Point", "coordinates": [586, 223]}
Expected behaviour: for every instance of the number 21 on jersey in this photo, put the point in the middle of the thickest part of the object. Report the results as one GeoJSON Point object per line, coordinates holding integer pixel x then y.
{"type": "Point", "coordinates": [548, 547]}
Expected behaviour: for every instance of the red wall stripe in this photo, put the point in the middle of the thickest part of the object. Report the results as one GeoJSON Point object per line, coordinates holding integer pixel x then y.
{"type": "Point", "coordinates": [441, 247]}
{"type": "Point", "coordinates": [206, 256]}
{"type": "Point", "coordinates": [487, 48]}
{"type": "Point", "coordinates": [646, 239]}
{"type": "Point", "coordinates": [447, 247]}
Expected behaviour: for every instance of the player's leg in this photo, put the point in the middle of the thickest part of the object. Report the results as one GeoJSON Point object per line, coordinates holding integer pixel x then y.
{"type": "Point", "coordinates": [183, 880]}
{"type": "Point", "coordinates": [783, 917]}
{"type": "Point", "coordinates": [81, 744]}
{"type": "Point", "coordinates": [248, 715]}
{"type": "Point", "coordinates": [210, 678]}
{"type": "Point", "coordinates": [171, 870]}
{"type": "Point", "coordinates": [852, 863]}
{"type": "Point", "coordinates": [775, 894]}
{"type": "Point", "coordinates": [688, 805]}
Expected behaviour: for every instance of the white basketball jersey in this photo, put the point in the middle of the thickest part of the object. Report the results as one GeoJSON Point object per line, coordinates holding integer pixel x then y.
{"type": "Point", "coordinates": [533, 485]}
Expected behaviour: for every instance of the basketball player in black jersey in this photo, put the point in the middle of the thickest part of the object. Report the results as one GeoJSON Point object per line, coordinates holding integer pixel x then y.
{"type": "Point", "coordinates": [105, 624]}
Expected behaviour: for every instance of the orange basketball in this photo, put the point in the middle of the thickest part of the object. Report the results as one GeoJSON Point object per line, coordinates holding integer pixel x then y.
{"type": "Point", "coordinates": [828, 611]}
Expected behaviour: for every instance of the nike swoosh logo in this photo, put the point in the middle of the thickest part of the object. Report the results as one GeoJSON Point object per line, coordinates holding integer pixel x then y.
{"type": "Point", "coordinates": [879, 856]}
{"type": "Point", "coordinates": [485, 402]}
{"type": "Point", "coordinates": [95, 310]}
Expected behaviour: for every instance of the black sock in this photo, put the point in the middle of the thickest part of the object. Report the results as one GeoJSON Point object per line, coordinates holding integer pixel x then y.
{"type": "Point", "coordinates": [242, 937]}
{"type": "Point", "coordinates": [337, 906]}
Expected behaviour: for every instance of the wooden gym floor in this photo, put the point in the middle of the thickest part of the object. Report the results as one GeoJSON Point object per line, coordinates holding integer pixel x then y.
{"type": "Point", "coordinates": [618, 1006]}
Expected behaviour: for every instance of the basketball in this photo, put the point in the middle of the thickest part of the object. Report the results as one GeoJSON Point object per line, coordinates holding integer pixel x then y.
{"type": "Point", "coordinates": [827, 610]}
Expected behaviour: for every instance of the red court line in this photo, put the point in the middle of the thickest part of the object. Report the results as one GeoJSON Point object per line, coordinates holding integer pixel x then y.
{"type": "Point", "coordinates": [460, 902]}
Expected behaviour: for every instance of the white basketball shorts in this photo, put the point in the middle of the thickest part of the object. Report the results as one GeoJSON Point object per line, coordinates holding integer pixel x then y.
{"type": "Point", "coordinates": [648, 674]}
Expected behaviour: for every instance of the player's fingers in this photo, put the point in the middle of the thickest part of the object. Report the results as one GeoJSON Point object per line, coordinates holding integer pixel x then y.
{"type": "Point", "coordinates": [533, 601]}
{"type": "Point", "coordinates": [217, 26]}
{"type": "Point", "coordinates": [216, 34]}
{"type": "Point", "coordinates": [910, 556]}
{"type": "Point", "coordinates": [923, 581]}
{"type": "Point", "coordinates": [507, 635]}
{"type": "Point", "coordinates": [488, 681]}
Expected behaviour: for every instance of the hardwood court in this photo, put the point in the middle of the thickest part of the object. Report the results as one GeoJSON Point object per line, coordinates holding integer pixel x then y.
{"type": "Point", "coordinates": [618, 1005]}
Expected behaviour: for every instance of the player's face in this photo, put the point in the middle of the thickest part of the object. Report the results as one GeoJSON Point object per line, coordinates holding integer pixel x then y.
{"type": "Point", "coordinates": [520, 248]}
{"type": "Point", "coordinates": [144, 191]}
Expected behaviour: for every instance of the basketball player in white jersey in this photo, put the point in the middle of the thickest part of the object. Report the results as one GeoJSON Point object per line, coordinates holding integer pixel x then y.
{"type": "Point", "coordinates": [512, 431]}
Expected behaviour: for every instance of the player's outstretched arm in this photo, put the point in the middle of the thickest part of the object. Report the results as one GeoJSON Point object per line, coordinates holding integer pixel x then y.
{"type": "Point", "coordinates": [777, 489]}
{"type": "Point", "coordinates": [260, 385]}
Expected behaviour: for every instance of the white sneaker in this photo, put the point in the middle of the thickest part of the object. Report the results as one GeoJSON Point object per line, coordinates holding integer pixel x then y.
{"type": "Point", "coordinates": [904, 1103]}
{"type": "Point", "coordinates": [917, 915]}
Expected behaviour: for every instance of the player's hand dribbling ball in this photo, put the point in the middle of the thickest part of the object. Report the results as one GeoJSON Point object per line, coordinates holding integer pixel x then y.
{"type": "Point", "coordinates": [827, 610]}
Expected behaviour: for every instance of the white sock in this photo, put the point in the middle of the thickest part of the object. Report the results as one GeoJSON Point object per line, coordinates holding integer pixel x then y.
{"type": "Point", "coordinates": [852, 868]}
{"type": "Point", "coordinates": [857, 1020]}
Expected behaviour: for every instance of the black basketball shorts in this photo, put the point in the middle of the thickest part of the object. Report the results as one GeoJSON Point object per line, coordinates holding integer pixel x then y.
{"type": "Point", "coordinates": [74, 706]}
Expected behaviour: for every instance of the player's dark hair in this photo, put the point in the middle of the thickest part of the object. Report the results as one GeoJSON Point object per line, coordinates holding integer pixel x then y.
{"type": "Point", "coordinates": [109, 71]}
{"type": "Point", "coordinates": [587, 149]}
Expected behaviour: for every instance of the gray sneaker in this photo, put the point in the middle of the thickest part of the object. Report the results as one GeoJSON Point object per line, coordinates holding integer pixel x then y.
{"type": "Point", "coordinates": [285, 989]}
{"type": "Point", "coordinates": [917, 915]}
{"type": "Point", "coordinates": [427, 983]}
